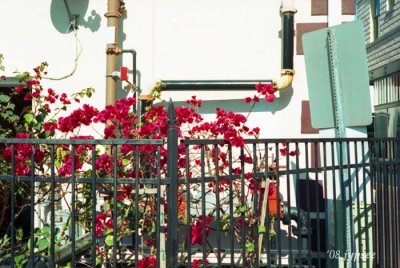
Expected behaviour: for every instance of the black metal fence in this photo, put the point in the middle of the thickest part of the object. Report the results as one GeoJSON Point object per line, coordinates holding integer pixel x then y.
{"type": "Point", "coordinates": [143, 203]}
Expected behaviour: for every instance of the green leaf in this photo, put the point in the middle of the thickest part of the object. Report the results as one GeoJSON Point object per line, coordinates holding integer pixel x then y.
{"type": "Point", "coordinates": [20, 260]}
{"type": "Point", "coordinates": [29, 118]}
{"type": "Point", "coordinates": [98, 260]}
{"type": "Point", "coordinates": [261, 229]}
{"type": "Point", "coordinates": [250, 246]}
{"type": "Point", "coordinates": [43, 244]}
{"type": "Point", "coordinates": [57, 163]}
{"type": "Point", "coordinates": [13, 118]}
{"type": "Point", "coordinates": [109, 240]}
{"type": "Point", "coordinates": [20, 233]}
{"type": "Point", "coordinates": [46, 230]}
{"type": "Point", "coordinates": [11, 106]}
{"type": "Point", "coordinates": [4, 98]}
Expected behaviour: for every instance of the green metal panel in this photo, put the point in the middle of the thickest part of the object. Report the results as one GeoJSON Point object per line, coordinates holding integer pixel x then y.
{"type": "Point", "coordinates": [337, 75]}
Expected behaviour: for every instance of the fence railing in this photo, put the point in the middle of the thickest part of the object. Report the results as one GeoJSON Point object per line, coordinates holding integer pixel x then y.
{"type": "Point", "coordinates": [143, 203]}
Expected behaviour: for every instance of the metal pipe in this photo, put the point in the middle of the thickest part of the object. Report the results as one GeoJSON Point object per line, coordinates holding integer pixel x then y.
{"type": "Point", "coordinates": [133, 52]}
{"type": "Point", "coordinates": [287, 39]}
{"type": "Point", "coordinates": [301, 231]}
{"type": "Point", "coordinates": [134, 86]}
{"type": "Point", "coordinates": [287, 72]}
{"type": "Point", "coordinates": [112, 15]}
{"type": "Point", "coordinates": [211, 85]}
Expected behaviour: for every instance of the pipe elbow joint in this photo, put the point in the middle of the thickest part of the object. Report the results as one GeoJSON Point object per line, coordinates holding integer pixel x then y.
{"type": "Point", "coordinates": [285, 80]}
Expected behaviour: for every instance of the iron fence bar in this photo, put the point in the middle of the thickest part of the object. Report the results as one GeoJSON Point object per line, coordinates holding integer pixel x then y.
{"type": "Point", "coordinates": [32, 210]}
{"type": "Point", "coordinates": [256, 210]}
{"type": "Point", "coordinates": [217, 201]}
{"type": "Point", "coordinates": [289, 204]}
{"type": "Point", "coordinates": [354, 260]}
{"type": "Point", "coordinates": [130, 181]}
{"type": "Point", "coordinates": [137, 210]}
{"type": "Point", "coordinates": [317, 192]}
{"type": "Point", "coordinates": [385, 206]}
{"type": "Point", "coordinates": [231, 211]}
{"type": "Point", "coordinates": [115, 207]}
{"type": "Point", "coordinates": [373, 168]}
{"type": "Point", "coordinates": [325, 175]}
{"type": "Point", "coordinates": [189, 235]}
{"type": "Point", "coordinates": [82, 141]}
{"type": "Point", "coordinates": [94, 204]}
{"type": "Point", "coordinates": [397, 202]}
{"type": "Point", "coordinates": [343, 195]}
{"type": "Point", "coordinates": [73, 216]}
{"type": "Point", "coordinates": [52, 212]}
{"type": "Point", "coordinates": [308, 201]}
{"type": "Point", "coordinates": [267, 219]}
{"type": "Point", "coordinates": [167, 180]}
{"type": "Point", "coordinates": [297, 176]}
{"type": "Point", "coordinates": [359, 216]}
{"type": "Point", "coordinates": [393, 204]}
{"type": "Point", "coordinates": [203, 205]}
{"type": "Point", "coordinates": [172, 147]}
{"type": "Point", "coordinates": [242, 212]}
{"type": "Point", "coordinates": [278, 204]}
{"type": "Point", "coordinates": [380, 170]}
{"type": "Point", "coordinates": [158, 217]}
{"type": "Point", "coordinates": [12, 222]}
{"type": "Point", "coordinates": [366, 212]}
{"type": "Point", "coordinates": [281, 140]}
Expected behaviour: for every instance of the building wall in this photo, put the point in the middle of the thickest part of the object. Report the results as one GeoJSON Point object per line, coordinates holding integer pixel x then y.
{"type": "Point", "coordinates": [176, 39]}
{"type": "Point", "coordinates": [386, 48]}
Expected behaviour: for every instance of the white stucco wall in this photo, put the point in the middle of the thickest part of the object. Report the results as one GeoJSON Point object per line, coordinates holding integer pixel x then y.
{"type": "Point", "coordinates": [176, 39]}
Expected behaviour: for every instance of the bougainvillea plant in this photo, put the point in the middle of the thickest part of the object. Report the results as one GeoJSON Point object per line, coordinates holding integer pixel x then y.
{"type": "Point", "coordinates": [51, 117]}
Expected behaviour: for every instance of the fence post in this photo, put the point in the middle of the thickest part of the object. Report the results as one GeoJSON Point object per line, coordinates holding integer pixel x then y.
{"type": "Point", "coordinates": [172, 173]}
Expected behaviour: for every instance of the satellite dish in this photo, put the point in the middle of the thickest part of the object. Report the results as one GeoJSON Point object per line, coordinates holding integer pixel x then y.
{"type": "Point", "coordinates": [63, 13]}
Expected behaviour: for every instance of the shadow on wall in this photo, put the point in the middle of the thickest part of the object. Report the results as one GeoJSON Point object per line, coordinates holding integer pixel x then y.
{"type": "Point", "coordinates": [60, 15]}
{"type": "Point", "coordinates": [239, 106]}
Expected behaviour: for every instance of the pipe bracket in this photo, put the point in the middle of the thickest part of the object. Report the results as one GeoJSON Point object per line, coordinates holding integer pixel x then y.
{"type": "Point", "coordinates": [111, 14]}
{"type": "Point", "coordinates": [113, 51]}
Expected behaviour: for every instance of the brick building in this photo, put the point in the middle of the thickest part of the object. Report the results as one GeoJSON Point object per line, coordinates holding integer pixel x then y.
{"type": "Point", "coordinates": [381, 20]}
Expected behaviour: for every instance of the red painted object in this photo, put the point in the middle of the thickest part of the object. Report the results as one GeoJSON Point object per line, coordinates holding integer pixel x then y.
{"type": "Point", "coordinates": [124, 73]}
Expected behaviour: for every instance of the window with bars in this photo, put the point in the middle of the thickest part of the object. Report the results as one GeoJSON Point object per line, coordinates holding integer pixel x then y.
{"type": "Point", "coordinates": [387, 89]}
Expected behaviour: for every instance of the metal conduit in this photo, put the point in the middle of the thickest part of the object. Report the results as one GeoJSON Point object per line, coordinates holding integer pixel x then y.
{"type": "Point", "coordinates": [214, 85]}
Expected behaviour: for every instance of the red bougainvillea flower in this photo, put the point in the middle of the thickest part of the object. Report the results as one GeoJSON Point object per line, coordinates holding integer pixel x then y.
{"type": "Point", "coordinates": [66, 168]}
{"type": "Point", "coordinates": [195, 102]}
{"type": "Point", "coordinates": [196, 230]}
{"type": "Point", "coordinates": [50, 127]}
{"type": "Point", "coordinates": [147, 262]}
{"type": "Point", "coordinates": [198, 263]}
{"type": "Point", "coordinates": [77, 118]}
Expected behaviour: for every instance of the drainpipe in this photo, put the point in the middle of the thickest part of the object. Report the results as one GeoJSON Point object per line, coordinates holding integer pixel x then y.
{"type": "Point", "coordinates": [287, 13]}
{"type": "Point", "coordinates": [113, 13]}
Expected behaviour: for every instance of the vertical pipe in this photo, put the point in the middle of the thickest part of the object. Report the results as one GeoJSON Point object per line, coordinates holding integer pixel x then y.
{"type": "Point", "coordinates": [112, 15]}
{"type": "Point", "coordinates": [287, 39]}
